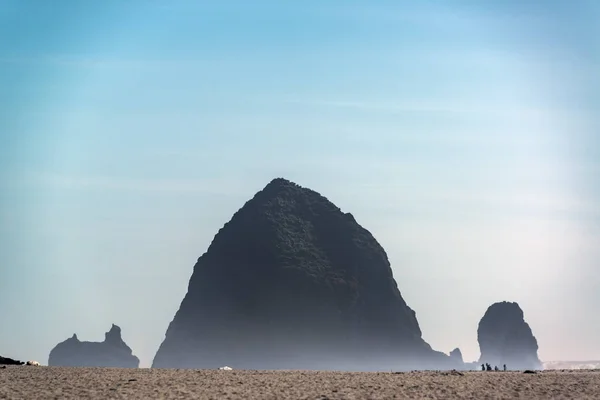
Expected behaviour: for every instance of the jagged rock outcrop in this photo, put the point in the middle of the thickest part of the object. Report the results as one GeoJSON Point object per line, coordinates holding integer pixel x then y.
{"type": "Point", "coordinates": [10, 361]}
{"type": "Point", "coordinates": [112, 352]}
{"type": "Point", "coordinates": [505, 338]}
{"type": "Point", "coordinates": [292, 282]}
{"type": "Point", "coordinates": [456, 354]}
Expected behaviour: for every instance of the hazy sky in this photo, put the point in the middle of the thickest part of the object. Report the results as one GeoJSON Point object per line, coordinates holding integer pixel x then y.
{"type": "Point", "coordinates": [463, 134]}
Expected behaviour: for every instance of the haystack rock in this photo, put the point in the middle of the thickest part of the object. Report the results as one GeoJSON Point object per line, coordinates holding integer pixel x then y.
{"type": "Point", "coordinates": [112, 352]}
{"type": "Point", "coordinates": [505, 338]}
{"type": "Point", "coordinates": [292, 282]}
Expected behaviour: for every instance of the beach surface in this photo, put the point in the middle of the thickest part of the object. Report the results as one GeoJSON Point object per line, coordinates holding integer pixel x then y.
{"type": "Point", "coordinates": [23, 382]}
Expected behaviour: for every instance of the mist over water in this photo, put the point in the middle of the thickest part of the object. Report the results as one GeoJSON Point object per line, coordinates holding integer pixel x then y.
{"type": "Point", "coordinates": [290, 355]}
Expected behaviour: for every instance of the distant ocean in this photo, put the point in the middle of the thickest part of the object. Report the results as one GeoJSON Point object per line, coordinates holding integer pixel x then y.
{"type": "Point", "coordinates": [594, 364]}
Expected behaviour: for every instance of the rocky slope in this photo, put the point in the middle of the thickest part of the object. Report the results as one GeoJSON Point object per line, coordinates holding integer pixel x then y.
{"type": "Point", "coordinates": [292, 282]}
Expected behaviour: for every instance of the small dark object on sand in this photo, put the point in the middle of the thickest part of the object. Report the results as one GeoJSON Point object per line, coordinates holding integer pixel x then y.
{"type": "Point", "coordinates": [3, 367]}
{"type": "Point", "coordinates": [453, 372]}
{"type": "Point", "coordinates": [528, 371]}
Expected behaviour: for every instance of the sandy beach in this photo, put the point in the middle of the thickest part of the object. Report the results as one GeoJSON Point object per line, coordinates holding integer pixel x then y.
{"type": "Point", "coordinates": [22, 382]}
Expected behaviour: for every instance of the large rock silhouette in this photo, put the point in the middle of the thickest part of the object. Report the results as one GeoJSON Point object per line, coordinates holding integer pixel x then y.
{"type": "Point", "coordinates": [505, 338]}
{"type": "Point", "coordinates": [292, 282]}
{"type": "Point", "coordinates": [112, 352]}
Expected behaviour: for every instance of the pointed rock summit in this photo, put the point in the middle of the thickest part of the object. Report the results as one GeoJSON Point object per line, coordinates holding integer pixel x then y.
{"type": "Point", "coordinates": [292, 282]}
{"type": "Point", "coordinates": [113, 336]}
{"type": "Point", "coordinates": [456, 354]}
{"type": "Point", "coordinates": [505, 338]}
{"type": "Point", "coordinates": [113, 352]}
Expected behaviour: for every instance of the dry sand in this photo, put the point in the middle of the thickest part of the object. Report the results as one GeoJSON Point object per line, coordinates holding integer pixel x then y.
{"type": "Point", "coordinates": [23, 382]}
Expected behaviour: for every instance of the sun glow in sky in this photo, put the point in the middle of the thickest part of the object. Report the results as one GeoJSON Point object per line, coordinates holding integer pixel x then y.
{"type": "Point", "coordinates": [464, 135]}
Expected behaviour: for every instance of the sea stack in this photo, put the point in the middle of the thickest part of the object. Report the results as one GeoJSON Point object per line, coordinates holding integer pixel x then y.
{"type": "Point", "coordinates": [292, 282]}
{"type": "Point", "coordinates": [112, 352]}
{"type": "Point", "coordinates": [505, 338]}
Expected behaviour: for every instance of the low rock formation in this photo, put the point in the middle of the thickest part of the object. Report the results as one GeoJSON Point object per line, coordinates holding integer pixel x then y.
{"type": "Point", "coordinates": [10, 361]}
{"type": "Point", "coordinates": [292, 282]}
{"type": "Point", "coordinates": [112, 352]}
{"type": "Point", "coordinates": [505, 338]}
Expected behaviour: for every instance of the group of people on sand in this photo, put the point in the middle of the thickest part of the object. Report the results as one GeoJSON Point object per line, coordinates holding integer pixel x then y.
{"type": "Point", "coordinates": [488, 367]}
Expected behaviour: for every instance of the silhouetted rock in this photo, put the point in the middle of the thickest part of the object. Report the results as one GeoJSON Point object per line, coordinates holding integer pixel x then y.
{"type": "Point", "coordinates": [456, 354]}
{"type": "Point", "coordinates": [292, 282]}
{"type": "Point", "coordinates": [505, 338]}
{"type": "Point", "coordinates": [112, 352]}
{"type": "Point", "coordinates": [10, 361]}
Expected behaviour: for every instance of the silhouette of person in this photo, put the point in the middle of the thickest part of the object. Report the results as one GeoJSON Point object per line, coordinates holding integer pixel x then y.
{"type": "Point", "coordinates": [505, 367]}
{"type": "Point", "coordinates": [496, 368]}
{"type": "Point", "coordinates": [482, 367]}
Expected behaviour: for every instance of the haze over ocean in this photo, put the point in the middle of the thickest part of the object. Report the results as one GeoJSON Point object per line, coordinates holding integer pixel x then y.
{"type": "Point", "coordinates": [464, 135]}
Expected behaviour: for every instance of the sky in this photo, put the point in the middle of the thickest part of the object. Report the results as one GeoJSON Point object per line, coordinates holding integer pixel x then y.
{"type": "Point", "coordinates": [463, 134]}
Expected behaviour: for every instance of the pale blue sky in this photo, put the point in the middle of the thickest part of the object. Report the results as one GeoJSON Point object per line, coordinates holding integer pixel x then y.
{"type": "Point", "coordinates": [462, 134]}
